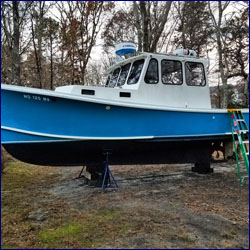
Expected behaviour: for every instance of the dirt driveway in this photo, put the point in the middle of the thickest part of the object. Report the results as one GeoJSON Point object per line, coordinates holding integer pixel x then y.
{"type": "Point", "coordinates": [161, 206]}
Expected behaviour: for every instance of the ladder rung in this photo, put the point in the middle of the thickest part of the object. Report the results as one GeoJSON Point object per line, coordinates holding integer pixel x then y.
{"type": "Point", "coordinates": [247, 153]}
{"type": "Point", "coordinates": [244, 131]}
{"type": "Point", "coordinates": [240, 120]}
{"type": "Point", "coordinates": [246, 142]}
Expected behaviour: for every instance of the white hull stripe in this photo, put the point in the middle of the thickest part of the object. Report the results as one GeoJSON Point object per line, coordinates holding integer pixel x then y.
{"type": "Point", "coordinates": [74, 137]}
{"type": "Point", "coordinates": [42, 141]}
{"type": "Point", "coordinates": [61, 137]}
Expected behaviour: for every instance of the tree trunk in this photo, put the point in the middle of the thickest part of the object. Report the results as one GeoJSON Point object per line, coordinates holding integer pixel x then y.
{"type": "Point", "coordinates": [62, 65]}
{"type": "Point", "coordinates": [246, 90]}
{"type": "Point", "coordinates": [223, 63]}
{"type": "Point", "coordinates": [161, 24]}
{"type": "Point", "coordinates": [222, 72]}
{"type": "Point", "coordinates": [38, 77]}
{"type": "Point", "coordinates": [221, 52]}
{"type": "Point", "coordinates": [138, 26]}
{"type": "Point", "coordinates": [145, 25]}
{"type": "Point", "coordinates": [39, 40]}
{"type": "Point", "coordinates": [51, 63]}
{"type": "Point", "coordinates": [183, 32]}
{"type": "Point", "coordinates": [219, 99]}
{"type": "Point", "coordinates": [16, 43]}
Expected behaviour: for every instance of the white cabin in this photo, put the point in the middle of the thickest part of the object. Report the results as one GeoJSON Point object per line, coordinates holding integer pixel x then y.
{"type": "Point", "coordinates": [170, 80]}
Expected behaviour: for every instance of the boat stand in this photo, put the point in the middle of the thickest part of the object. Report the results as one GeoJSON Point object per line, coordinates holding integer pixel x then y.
{"type": "Point", "coordinates": [108, 180]}
{"type": "Point", "coordinates": [80, 175]}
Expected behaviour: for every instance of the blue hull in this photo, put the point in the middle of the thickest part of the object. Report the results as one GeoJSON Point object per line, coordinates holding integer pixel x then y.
{"type": "Point", "coordinates": [28, 119]}
{"type": "Point", "coordinates": [64, 119]}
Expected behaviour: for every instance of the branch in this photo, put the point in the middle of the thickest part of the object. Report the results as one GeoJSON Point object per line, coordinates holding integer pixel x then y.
{"type": "Point", "coordinates": [162, 21]}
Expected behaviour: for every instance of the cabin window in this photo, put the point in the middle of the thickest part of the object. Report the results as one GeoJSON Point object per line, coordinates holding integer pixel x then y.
{"type": "Point", "coordinates": [152, 75]}
{"type": "Point", "coordinates": [135, 72]}
{"type": "Point", "coordinates": [123, 75]}
{"type": "Point", "coordinates": [88, 92]}
{"type": "Point", "coordinates": [114, 77]}
{"type": "Point", "coordinates": [125, 94]}
{"type": "Point", "coordinates": [195, 75]}
{"type": "Point", "coordinates": [171, 72]}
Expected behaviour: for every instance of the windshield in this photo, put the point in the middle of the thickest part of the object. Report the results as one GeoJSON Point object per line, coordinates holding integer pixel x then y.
{"type": "Point", "coordinates": [123, 75]}
{"type": "Point", "coordinates": [112, 78]}
{"type": "Point", "coordinates": [127, 72]}
{"type": "Point", "coordinates": [135, 72]}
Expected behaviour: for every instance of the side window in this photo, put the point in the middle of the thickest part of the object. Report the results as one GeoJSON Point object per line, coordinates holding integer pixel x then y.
{"type": "Point", "coordinates": [195, 75]}
{"type": "Point", "coordinates": [135, 72]}
{"type": "Point", "coordinates": [152, 75]}
{"type": "Point", "coordinates": [123, 74]}
{"type": "Point", "coordinates": [113, 78]}
{"type": "Point", "coordinates": [171, 72]}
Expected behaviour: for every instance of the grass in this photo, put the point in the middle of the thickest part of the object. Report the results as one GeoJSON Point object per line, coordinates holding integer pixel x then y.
{"type": "Point", "coordinates": [55, 236]}
{"type": "Point", "coordinates": [18, 182]}
{"type": "Point", "coordinates": [5, 246]}
{"type": "Point", "coordinates": [89, 230]}
{"type": "Point", "coordinates": [23, 194]}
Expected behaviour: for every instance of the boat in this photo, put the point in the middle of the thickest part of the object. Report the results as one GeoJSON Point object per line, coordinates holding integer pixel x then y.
{"type": "Point", "coordinates": [154, 108]}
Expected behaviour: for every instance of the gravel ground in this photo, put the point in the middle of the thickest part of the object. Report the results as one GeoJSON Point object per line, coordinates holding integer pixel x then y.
{"type": "Point", "coordinates": [158, 206]}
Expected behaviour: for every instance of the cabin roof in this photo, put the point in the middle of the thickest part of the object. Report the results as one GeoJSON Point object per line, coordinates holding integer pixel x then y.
{"type": "Point", "coordinates": [157, 55]}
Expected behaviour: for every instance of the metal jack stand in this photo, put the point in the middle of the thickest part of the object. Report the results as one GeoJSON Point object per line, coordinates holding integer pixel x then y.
{"type": "Point", "coordinates": [108, 180]}
{"type": "Point", "coordinates": [80, 175]}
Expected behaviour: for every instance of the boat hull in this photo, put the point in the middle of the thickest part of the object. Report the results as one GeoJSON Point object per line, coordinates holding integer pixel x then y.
{"type": "Point", "coordinates": [126, 152]}
{"type": "Point", "coordinates": [47, 129]}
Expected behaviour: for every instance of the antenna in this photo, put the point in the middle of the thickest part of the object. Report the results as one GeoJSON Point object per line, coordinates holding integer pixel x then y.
{"type": "Point", "coordinates": [124, 50]}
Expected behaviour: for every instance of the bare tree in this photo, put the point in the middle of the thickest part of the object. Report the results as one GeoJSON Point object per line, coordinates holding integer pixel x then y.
{"type": "Point", "coordinates": [38, 26]}
{"type": "Point", "coordinates": [194, 25]}
{"type": "Point", "coordinates": [51, 35]}
{"type": "Point", "coordinates": [238, 47]}
{"type": "Point", "coordinates": [14, 41]}
{"type": "Point", "coordinates": [16, 44]}
{"type": "Point", "coordinates": [151, 18]}
{"type": "Point", "coordinates": [142, 22]}
{"type": "Point", "coordinates": [120, 27]}
{"type": "Point", "coordinates": [81, 23]}
{"type": "Point", "coordinates": [138, 26]}
{"type": "Point", "coordinates": [221, 46]}
{"type": "Point", "coordinates": [6, 41]}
